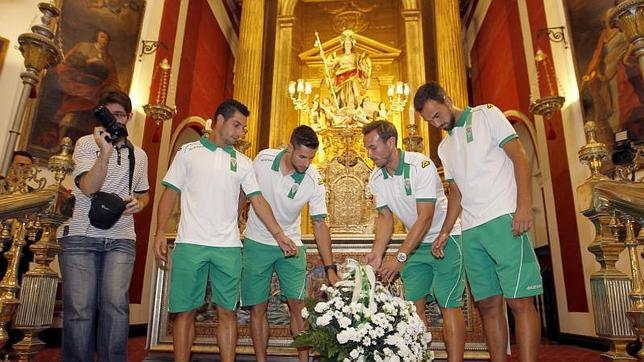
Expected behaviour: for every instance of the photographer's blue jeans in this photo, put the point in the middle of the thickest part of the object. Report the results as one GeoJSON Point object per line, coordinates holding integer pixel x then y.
{"type": "Point", "coordinates": [96, 275]}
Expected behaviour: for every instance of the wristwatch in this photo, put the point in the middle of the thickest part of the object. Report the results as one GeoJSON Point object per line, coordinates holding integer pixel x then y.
{"type": "Point", "coordinates": [332, 266]}
{"type": "Point", "coordinates": [401, 257]}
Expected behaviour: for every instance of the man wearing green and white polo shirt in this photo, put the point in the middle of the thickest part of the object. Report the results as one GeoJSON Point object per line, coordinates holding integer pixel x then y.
{"type": "Point", "coordinates": [406, 184]}
{"type": "Point", "coordinates": [208, 174]}
{"type": "Point", "coordinates": [288, 182]}
{"type": "Point", "coordinates": [489, 176]}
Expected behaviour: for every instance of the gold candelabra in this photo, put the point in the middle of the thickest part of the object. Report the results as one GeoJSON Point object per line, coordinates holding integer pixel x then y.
{"type": "Point", "coordinates": [299, 92]}
{"type": "Point", "coordinates": [160, 111]}
{"type": "Point", "coordinates": [398, 96]}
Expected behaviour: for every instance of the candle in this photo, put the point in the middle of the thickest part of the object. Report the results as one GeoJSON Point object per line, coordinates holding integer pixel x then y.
{"type": "Point", "coordinates": [412, 115]}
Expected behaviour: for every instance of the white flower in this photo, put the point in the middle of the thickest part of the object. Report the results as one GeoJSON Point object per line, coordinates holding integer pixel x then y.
{"type": "Point", "coordinates": [323, 320]}
{"type": "Point", "coordinates": [321, 307]}
{"type": "Point", "coordinates": [354, 354]}
{"type": "Point", "coordinates": [344, 322]}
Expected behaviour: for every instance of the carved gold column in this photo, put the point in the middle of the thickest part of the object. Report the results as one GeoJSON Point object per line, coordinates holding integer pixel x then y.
{"type": "Point", "coordinates": [248, 73]}
{"type": "Point", "coordinates": [279, 130]}
{"type": "Point", "coordinates": [449, 51]}
{"type": "Point", "coordinates": [415, 55]}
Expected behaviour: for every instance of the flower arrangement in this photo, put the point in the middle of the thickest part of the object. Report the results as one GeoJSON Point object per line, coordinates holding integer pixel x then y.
{"type": "Point", "coordinates": [362, 321]}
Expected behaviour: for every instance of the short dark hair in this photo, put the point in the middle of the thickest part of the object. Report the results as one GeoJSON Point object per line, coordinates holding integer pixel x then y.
{"type": "Point", "coordinates": [100, 30]}
{"type": "Point", "coordinates": [116, 96]}
{"type": "Point", "coordinates": [228, 107]}
{"type": "Point", "coordinates": [22, 153]}
{"type": "Point", "coordinates": [304, 136]}
{"type": "Point", "coordinates": [428, 91]}
{"type": "Point", "coordinates": [385, 130]}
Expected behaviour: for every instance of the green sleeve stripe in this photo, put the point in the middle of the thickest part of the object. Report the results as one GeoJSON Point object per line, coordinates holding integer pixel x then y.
{"type": "Point", "coordinates": [508, 139]}
{"type": "Point", "coordinates": [450, 180]}
{"type": "Point", "coordinates": [170, 186]}
{"type": "Point", "coordinates": [318, 217]}
{"type": "Point", "coordinates": [426, 200]}
{"type": "Point", "coordinates": [382, 207]}
{"type": "Point", "coordinates": [254, 194]}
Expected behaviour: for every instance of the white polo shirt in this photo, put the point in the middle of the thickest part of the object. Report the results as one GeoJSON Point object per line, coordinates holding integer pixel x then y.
{"type": "Point", "coordinates": [415, 180]}
{"type": "Point", "coordinates": [287, 195]}
{"type": "Point", "coordinates": [474, 158]}
{"type": "Point", "coordinates": [208, 178]}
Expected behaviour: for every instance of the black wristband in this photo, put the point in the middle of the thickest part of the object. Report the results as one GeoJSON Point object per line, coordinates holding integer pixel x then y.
{"type": "Point", "coordinates": [332, 266]}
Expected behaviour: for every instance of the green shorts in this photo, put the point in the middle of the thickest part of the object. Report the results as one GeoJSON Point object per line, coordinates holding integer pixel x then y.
{"type": "Point", "coordinates": [497, 262]}
{"type": "Point", "coordinates": [424, 275]}
{"type": "Point", "coordinates": [192, 265]}
{"type": "Point", "coordinates": [258, 263]}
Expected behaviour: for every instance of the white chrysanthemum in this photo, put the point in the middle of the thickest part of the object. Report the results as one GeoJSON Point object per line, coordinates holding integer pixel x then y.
{"type": "Point", "coordinates": [321, 307]}
{"type": "Point", "coordinates": [323, 320]}
{"type": "Point", "coordinates": [354, 354]}
{"type": "Point", "coordinates": [305, 313]}
{"type": "Point", "coordinates": [344, 322]}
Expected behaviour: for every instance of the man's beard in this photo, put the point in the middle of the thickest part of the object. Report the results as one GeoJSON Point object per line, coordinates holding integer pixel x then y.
{"type": "Point", "coordinates": [452, 122]}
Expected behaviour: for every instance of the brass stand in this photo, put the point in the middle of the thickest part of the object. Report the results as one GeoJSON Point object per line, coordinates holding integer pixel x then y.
{"type": "Point", "coordinates": [628, 16]}
{"type": "Point", "coordinates": [609, 287]}
{"type": "Point", "coordinates": [38, 293]}
{"type": "Point", "coordinates": [41, 50]}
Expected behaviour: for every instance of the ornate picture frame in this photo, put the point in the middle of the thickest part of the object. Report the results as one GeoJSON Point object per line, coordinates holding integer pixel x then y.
{"type": "Point", "coordinates": [100, 40]}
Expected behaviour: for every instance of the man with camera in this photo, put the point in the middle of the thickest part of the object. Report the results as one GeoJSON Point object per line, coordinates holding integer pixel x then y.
{"type": "Point", "coordinates": [98, 242]}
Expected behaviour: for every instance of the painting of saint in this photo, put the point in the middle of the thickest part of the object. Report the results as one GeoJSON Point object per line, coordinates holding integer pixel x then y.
{"type": "Point", "coordinates": [100, 39]}
{"type": "Point", "coordinates": [611, 87]}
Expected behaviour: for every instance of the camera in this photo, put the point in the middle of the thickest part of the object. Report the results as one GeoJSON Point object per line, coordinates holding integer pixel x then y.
{"type": "Point", "coordinates": [111, 125]}
{"type": "Point", "coordinates": [624, 153]}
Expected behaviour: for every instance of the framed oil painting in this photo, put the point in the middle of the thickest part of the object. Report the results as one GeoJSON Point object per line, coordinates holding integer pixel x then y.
{"type": "Point", "coordinates": [610, 83]}
{"type": "Point", "coordinates": [99, 39]}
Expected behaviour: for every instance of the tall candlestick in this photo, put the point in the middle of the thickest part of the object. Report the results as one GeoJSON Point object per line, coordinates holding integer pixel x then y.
{"type": "Point", "coordinates": [412, 115]}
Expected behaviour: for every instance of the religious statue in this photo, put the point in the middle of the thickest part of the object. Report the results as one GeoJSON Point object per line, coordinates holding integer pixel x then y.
{"type": "Point", "coordinates": [349, 74]}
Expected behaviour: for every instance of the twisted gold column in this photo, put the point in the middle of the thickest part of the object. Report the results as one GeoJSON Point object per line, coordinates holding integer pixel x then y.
{"type": "Point", "coordinates": [248, 75]}
{"type": "Point", "coordinates": [449, 48]}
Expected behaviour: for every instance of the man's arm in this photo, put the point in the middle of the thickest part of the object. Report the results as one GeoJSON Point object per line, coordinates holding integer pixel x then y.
{"type": "Point", "coordinates": [242, 203]}
{"type": "Point", "coordinates": [323, 241]}
{"type": "Point", "coordinates": [384, 229]}
{"type": "Point", "coordinates": [454, 209]}
{"type": "Point", "coordinates": [414, 236]}
{"type": "Point", "coordinates": [522, 220]}
{"type": "Point", "coordinates": [263, 210]}
{"type": "Point", "coordinates": [137, 202]}
{"type": "Point", "coordinates": [164, 210]}
{"type": "Point", "coordinates": [92, 180]}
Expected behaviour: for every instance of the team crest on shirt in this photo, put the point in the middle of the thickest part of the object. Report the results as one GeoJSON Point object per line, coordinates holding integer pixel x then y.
{"type": "Point", "coordinates": [233, 162]}
{"type": "Point", "coordinates": [294, 188]}
{"type": "Point", "coordinates": [424, 164]}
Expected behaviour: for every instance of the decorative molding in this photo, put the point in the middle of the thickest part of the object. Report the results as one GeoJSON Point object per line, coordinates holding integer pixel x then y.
{"type": "Point", "coordinates": [225, 24]}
